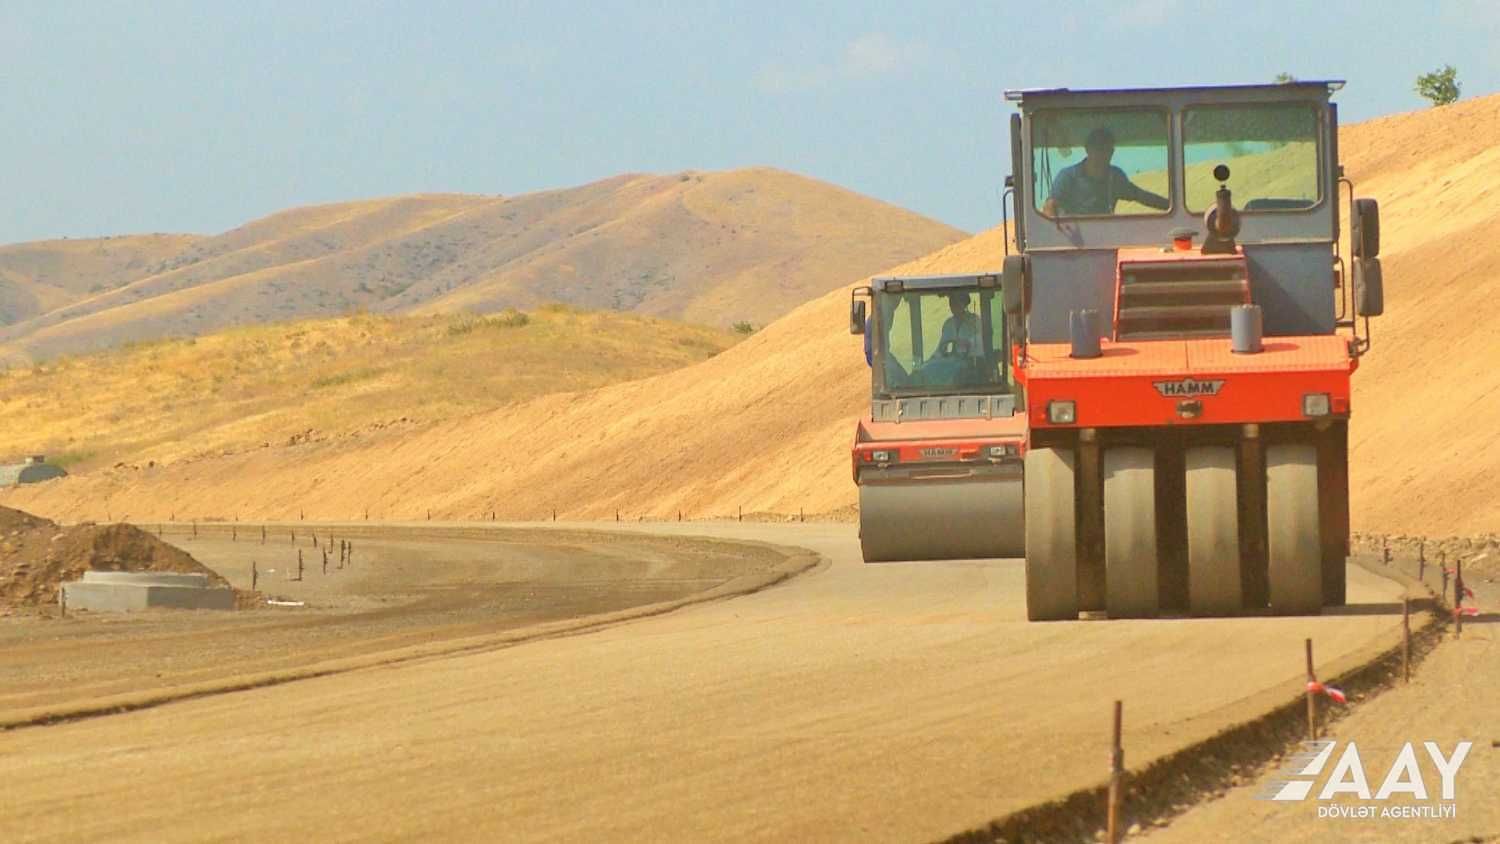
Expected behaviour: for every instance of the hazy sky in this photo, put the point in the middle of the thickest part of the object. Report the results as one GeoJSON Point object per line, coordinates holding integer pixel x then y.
{"type": "Point", "coordinates": [195, 117]}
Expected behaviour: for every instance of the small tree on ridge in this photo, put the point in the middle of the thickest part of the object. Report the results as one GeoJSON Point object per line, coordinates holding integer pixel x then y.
{"type": "Point", "coordinates": [1440, 86]}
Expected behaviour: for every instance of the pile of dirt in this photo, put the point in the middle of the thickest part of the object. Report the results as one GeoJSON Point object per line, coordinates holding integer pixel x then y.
{"type": "Point", "coordinates": [37, 556]}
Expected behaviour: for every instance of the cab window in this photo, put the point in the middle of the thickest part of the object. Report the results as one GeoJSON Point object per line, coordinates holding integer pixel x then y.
{"type": "Point", "coordinates": [942, 341]}
{"type": "Point", "coordinates": [1271, 152]}
{"type": "Point", "coordinates": [1100, 162]}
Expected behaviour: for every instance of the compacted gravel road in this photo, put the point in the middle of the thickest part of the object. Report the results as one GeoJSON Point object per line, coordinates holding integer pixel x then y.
{"type": "Point", "coordinates": [805, 698]}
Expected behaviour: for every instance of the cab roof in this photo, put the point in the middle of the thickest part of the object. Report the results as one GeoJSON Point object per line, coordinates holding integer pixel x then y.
{"type": "Point", "coordinates": [935, 282]}
{"type": "Point", "coordinates": [1019, 94]}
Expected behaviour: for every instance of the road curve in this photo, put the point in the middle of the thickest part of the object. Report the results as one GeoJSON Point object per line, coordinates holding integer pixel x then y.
{"type": "Point", "coordinates": [889, 702]}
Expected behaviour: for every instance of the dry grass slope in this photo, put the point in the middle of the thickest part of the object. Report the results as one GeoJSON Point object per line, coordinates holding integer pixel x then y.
{"type": "Point", "coordinates": [766, 424]}
{"type": "Point", "coordinates": [310, 381]}
{"type": "Point", "coordinates": [713, 248]}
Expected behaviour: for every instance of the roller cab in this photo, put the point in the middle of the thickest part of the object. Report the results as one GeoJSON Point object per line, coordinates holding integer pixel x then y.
{"type": "Point", "coordinates": [938, 460]}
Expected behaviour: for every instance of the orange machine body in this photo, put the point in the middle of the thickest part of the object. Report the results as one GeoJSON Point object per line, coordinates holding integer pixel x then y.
{"type": "Point", "coordinates": [943, 444]}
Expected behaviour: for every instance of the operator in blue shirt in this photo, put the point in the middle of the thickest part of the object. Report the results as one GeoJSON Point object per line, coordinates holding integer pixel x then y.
{"type": "Point", "coordinates": [1093, 185]}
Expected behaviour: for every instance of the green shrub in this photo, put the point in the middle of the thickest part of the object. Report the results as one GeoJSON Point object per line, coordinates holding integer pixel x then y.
{"type": "Point", "coordinates": [1441, 86]}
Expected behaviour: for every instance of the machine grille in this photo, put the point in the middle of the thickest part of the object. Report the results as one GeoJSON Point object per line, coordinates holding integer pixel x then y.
{"type": "Point", "coordinates": [1177, 299]}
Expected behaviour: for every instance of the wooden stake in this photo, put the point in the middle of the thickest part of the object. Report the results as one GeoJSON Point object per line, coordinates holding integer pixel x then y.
{"type": "Point", "coordinates": [254, 576]}
{"type": "Point", "coordinates": [1116, 776]}
{"type": "Point", "coordinates": [1312, 700]}
{"type": "Point", "coordinates": [1405, 640]}
{"type": "Point", "coordinates": [62, 602]}
{"type": "Point", "coordinates": [195, 528]}
{"type": "Point", "coordinates": [1458, 599]}
{"type": "Point", "coordinates": [234, 533]}
{"type": "Point", "coordinates": [299, 563]}
{"type": "Point", "coordinates": [325, 560]}
{"type": "Point", "coordinates": [263, 534]}
{"type": "Point", "coordinates": [742, 512]}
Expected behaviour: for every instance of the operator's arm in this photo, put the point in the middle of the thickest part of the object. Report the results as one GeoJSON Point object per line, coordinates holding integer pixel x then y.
{"type": "Point", "coordinates": [1128, 190]}
{"type": "Point", "coordinates": [949, 335]}
{"type": "Point", "coordinates": [1058, 201]}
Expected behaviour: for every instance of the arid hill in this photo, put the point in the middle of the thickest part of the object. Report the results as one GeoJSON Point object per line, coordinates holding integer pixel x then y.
{"type": "Point", "coordinates": [766, 425]}
{"type": "Point", "coordinates": [39, 277]}
{"type": "Point", "coordinates": [260, 386]}
{"type": "Point", "coordinates": [713, 248]}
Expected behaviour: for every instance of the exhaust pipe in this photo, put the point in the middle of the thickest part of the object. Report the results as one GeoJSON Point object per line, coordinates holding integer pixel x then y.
{"type": "Point", "coordinates": [1246, 328]}
{"type": "Point", "coordinates": [1083, 326]}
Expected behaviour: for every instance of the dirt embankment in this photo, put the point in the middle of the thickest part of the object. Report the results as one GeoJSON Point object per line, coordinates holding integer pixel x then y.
{"type": "Point", "coordinates": [37, 556]}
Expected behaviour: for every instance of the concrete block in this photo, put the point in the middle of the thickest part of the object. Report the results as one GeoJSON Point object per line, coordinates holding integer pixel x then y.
{"type": "Point", "coordinates": [131, 597]}
{"type": "Point", "coordinates": [147, 578]}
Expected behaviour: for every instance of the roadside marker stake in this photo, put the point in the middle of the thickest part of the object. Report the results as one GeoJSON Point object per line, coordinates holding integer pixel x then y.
{"type": "Point", "coordinates": [1315, 688]}
{"type": "Point", "coordinates": [1116, 777]}
{"type": "Point", "coordinates": [1312, 703]}
{"type": "Point", "coordinates": [1405, 639]}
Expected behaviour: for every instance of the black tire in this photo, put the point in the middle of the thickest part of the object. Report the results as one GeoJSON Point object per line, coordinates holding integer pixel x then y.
{"type": "Point", "coordinates": [1132, 582]}
{"type": "Point", "coordinates": [1293, 539]}
{"type": "Point", "coordinates": [1215, 584]}
{"type": "Point", "coordinates": [1051, 536]}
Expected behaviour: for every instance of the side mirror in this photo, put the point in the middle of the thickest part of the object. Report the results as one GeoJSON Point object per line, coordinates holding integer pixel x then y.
{"type": "Point", "coordinates": [1013, 284]}
{"type": "Point", "coordinates": [1369, 287]}
{"type": "Point", "coordinates": [857, 316]}
{"type": "Point", "coordinates": [1366, 228]}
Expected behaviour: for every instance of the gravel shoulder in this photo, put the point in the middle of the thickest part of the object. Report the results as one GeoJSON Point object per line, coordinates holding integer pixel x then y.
{"type": "Point", "coordinates": [1451, 698]}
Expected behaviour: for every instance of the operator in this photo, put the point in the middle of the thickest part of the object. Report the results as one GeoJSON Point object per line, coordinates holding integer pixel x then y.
{"type": "Point", "coordinates": [961, 329]}
{"type": "Point", "coordinates": [1093, 185]}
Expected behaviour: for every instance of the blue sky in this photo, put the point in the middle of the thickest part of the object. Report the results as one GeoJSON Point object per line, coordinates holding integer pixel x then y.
{"type": "Point", "coordinates": [195, 117]}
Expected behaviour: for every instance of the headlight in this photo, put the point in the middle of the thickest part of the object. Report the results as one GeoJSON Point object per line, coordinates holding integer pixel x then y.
{"type": "Point", "coordinates": [881, 456]}
{"type": "Point", "coordinates": [1062, 412]}
{"type": "Point", "coordinates": [1315, 404]}
{"type": "Point", "coordinates": [999, 450]}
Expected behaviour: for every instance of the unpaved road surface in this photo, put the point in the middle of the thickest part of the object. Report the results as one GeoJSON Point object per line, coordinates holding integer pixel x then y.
{"type": "Point", "coordinates": [891, 702]}
{"type": "Point", "coordinates": [403, 591]}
